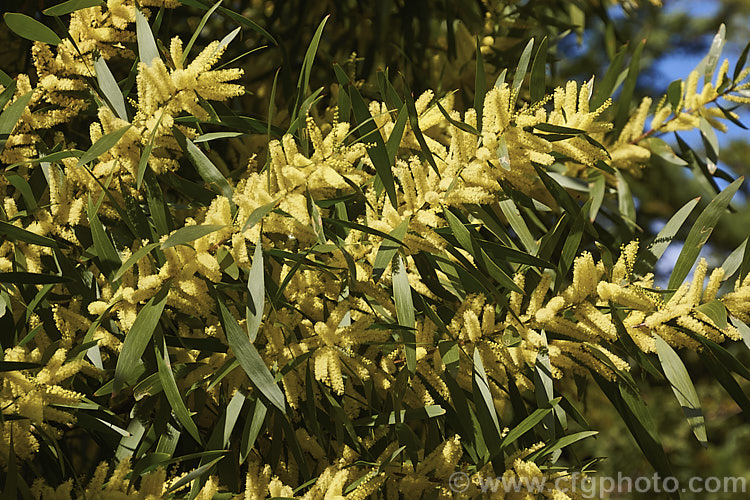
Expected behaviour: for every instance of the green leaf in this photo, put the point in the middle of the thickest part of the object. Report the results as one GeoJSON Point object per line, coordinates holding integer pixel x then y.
{"type": "Point", "coordinates": [707, 66]}
{"type": "Point", "coordinates": [628, 88]}
{"type": "Point", "coordinates": [160, 213]}
{"type": "Point", "coordinates": [71, 6]}
{"type": "Point", "coordinates": [102, 145]}
{"type": "Point", "coordinates": [257, 215]}
{"type": "Point", "coordinates": [238, 18]}
{"type": "Point", "coordinates": [485, 401]}
{"type": "Point", "coordinates": [307, 64]}
{"type": "Point", "coordinates": [683, 388]}
{"type": "Point", "coordinates": [216, 135]}
{"type": "Point", "coordinates": [397, 133]}
{"type": "Point", "coordinates": [139, 336]}
{"type": "Point", "coordinates": [105, 250]}
{"type": "Point", "coordinates": [137, 255]}
{"type": "Point", "coordinates": [147, 50]}
{"type": "Point", "coordinates": [722, 375]}
{"type": "Point", "coordinates": [662, 240]}
{"type": "Point", "coordinates": [716, 312]}
{"type": "Point", "coordinates": [558, 129]}
{"type": "Point", "coordinates": [523, 66]}
{"type": "Point", "coordinates": [12, 366]}
{"type": "Point", "coordinates": [379, 153]}
{"type": "Point", "coordinates": [528, 423]}
{"type": "Point", "coordinates": [169, 384]}
{"type": "Point", "coordinates": [22, 186]}
{"type": "Point", "coordinates": [606, 87]}
{"type": "Point", "coordinates": [537, 86]}
{"type": "Point", "coordinates": [700, 233]}
{"type": "Point", "coordinates": [414, 122]}
{"type": "Point", "coordinates": [674, 94]}
{"type": "Point", "coordinates": [109, 87]}
{"type": "Point", "coordinates": [502, 153]}
{"type": "Point", "coordinates": [51, 158]}
{"type": "Point", "coordinates": [387, 250]}
{"type": "Point", "coordinates": [206, 169]}
{"type": "Point", "coordinates": [517, 222]}
{"type": "Point", "coordinates": [711, 144]}
{"type": "Point", "coordinates": [198, 30]}
{"type": "Point", "coordinates": [252, 429]}
{"type": "Point", "coordinates": [625, 203]}
{"type": "Point", "coordinates": [187, 234]}
{"type": "Point", "coordinates": [15, 233]}
{"type": "Point", "coordinates": [31, 29]}
{"type": "Point", "coordinates": [195, 473]}
{"type": "Point", "coordinates": [405, 311]}
{"type": "Point", "coordinates": [741, 61]}
{"type": "Point", "coordinates": [9, 118]}
{"type": "Point", "coordinates": [8, 93]}
{"type": "Point", "coordinates": [639, 421]}
{"type": "Point", "coordinates": [561, 443]}
{"type": "Point", "coordinates": [10, 486]}
{"type": "Point", "coordinates": [459, 125]}
{"type": "Point", "coordinates": [256, 287]}
{"type": "Point", "coordinates": [31, 278]}
{"type": "Point", "coordinates": [664, 151]}
{"type": "Point", "coordinates": [250, 359]}
{"type": "Point", "coordinates": [597, 187]}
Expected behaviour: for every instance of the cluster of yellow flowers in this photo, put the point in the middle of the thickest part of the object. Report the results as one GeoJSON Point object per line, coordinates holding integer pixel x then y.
{"type": "Point", "coordinates": [337, 293]}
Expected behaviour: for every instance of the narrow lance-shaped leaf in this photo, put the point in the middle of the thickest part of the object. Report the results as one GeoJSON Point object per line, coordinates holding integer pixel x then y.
{"type": "Point", "coordinates": [169, 384]}
{"type": "Point", "coordinates": [523, 66]}
{"type": "Point", "coordinates": [537, 86]}
{"type": "Point", "coordinates": [405, 311]}
{"type": "Point", "coordinates": [31, 29]}
{"type": "Point", "coordinates": [250, 360]}
{"type": "Point", "coordinates": [388, 250]}
{"type": "Point", "coordinates": [187, 234]}
{"type": "Point", "coordinates": [105, 250]}
{"type": "Point", "coordinates": [606, 87]}
{"type": "Point", "coordinates": [137, 338]}
{"type": "Point", "coordinates": [379, 153]}
{"type": "Point", "coordinates": [253, 426]}
{"type": "Point", "coordinates": [102, 145]}
{"type": "Point", "coordinates": [741, 61]}
{"type": "Point", "coordinates": [256, 287]}
{"type": "Point", "coordinates": [205, 167]}
{"type": "Point", "coordinates": [700, 233]}
{"type": "Point", "coordinates": [7, 94]}
{"type": "Point", "coordinates": [16, 233]}
{"type": "Point", "coordinates": [9, 118]}
{"type": "Point", "coordinates": [307, 63]}
{"type": "Point", "coordinates": [707, 66]}
{"type": "Point", "coordinates": [683, 388]}
{"type": "Point", "coordinates": [198, 30]}
{"type": "Point", "coordinates": [666, 235]}
{"type": "Point", "coordinates": [485, 404]}
{"type": "Point", "coordinates": [31, 278]}
{"type": "Point", "coordinates": [529, 423]}
{"type": "Point", "coordinates": [147, 50]}
{"type": "Point", "coordinates": [71, 6]}
{"type": "Point", "coordinates": [394, 140]}
{"type": "Point", "coordinates": [109, 87]}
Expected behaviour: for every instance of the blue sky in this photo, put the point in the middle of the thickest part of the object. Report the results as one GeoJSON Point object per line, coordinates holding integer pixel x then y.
{"type": "Point", "coordinates": [674, 66]}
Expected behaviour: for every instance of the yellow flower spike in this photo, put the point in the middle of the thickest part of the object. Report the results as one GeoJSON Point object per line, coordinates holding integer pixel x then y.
{"type": "Point", "coordinates": [548, 312]}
